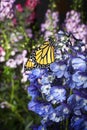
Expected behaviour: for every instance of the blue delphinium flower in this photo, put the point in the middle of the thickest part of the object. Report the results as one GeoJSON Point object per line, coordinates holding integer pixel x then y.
{"type": "Point", "coordinates": [41, 108]}
{"type": "Point", "coordinates": [78, 123]}
{"type": "Point", "coordinates": [79, 63]}
{"type": "Point", "coordinates": [58, 68]}
{"type": "Point", "coordinates": [60, 92]}
{"type": "Point", "coordinates": [78, 103]}
{"type": "Point", "coordinates": [33, 91]}
{"type": "Point", "coordinates": [80, 80]}
{"type": "Point", "coordinates": [56, 95]}
{"type": "Point", "coordinates": [41, 127]}
{"type": "Point", "coordinates": [47, 78]}
{"type": "Point", "coordinates": [45, 89]}
{"type": "Point", "coordinates": [35, 74]}
{"type": "Point", "coordinates": [61, 112]}
{"type": "Point", "coordinates": [76, 71]}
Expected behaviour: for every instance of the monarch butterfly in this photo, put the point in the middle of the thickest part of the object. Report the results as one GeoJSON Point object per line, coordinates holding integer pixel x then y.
{"type": "Point", "coordinates": [43, 56]}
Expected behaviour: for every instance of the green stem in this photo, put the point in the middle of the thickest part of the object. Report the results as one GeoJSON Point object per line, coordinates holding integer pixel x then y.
{"type": "Point", "coordinates": [6, 43]}
{"type": "Point", "coordinates": [70, 92]}
{"type": "Point", "coordinates": [23, 106]}
{"type": "Point", "coordinates": [14, 110]}
{"type": "Point", "coordinates": [12, 106]}
{"type": "Point", "coordinates": [61, 125]}
{"type": "Point", "coordinates": [19, 117]}
{"type": "Point", "coordinates": [12, 90]}
{"type": "Point", "coordinates": [24, 33]}
{"type": "Point", "coordinates": [66, 124]}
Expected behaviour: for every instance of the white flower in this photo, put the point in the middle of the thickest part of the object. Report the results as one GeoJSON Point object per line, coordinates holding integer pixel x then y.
{"type": "Point", "coordinates": [11, 63]}
{"type": "Point", "coordinates": [19, 59]}
{"type": "Point", "coordinates": [24, 53]}
{"type": "Point", "coordinates": [24, 62]}
{"type": "Point", "coordinates": [24, 78]}
{"type": "Point", "coordinates": [2, 59]}
{"type": "Point", "coordinates": [15, 37]}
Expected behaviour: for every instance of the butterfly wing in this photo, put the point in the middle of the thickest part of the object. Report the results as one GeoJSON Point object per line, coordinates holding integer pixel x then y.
{"type": "Point", "coordinates": [29, 64]}
{"type": "Point", "coordinates": [41, 57]}
{"type": "Point", "coordinates": [45, 54]}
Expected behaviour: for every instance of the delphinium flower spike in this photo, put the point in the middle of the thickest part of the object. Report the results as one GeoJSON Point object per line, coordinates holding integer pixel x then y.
{"type": "Point", "coordinates": [59, 93]}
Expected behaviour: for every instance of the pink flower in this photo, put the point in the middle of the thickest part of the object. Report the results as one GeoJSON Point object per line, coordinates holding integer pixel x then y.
{"type": "Point", "coordinates": [31, 4]}
{"type": "Point", "coordinates": [14, 21]}
{"type": "Point", "coordinates": [2, 52]}
{"type": "Point", "coordinates": [31, 18]}
{"type": "Point", "coordinates": [2, 55]}
{"type": "Point", "coordinates": [19, 8]}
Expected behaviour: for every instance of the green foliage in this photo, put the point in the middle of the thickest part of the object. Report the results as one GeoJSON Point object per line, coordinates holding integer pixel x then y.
{"type": "Point", "coordinates": [14, 113]}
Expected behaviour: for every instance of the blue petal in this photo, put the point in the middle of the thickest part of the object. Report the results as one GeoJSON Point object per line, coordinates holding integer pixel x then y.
{"type": "Point", "coordinates": [42, 127]}
{"type": "Point", "coordinates": [40, 108]}
{"type": "Point", "coordinates": [59, 74]}
{"type": "Point", "coordinates": [85, 84]}
{"type": "Point", "coordinates": [79, 64]}
{"type": "Point", "coordinates": [36, 72]}
{"type": "Point", "coordinates": [54, 67]}
{"type": "Point", "coordinates": [45, 80]}
{"type": "Point", "coordinates": [33, 91]}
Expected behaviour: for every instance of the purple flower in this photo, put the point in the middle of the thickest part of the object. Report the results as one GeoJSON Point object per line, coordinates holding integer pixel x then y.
{"type": "Point", "coordinates": [6, 9]}
{"type": "Point", "coordinates": [74, 25]}
{"type": "Point", "coordinates": [48, 28]}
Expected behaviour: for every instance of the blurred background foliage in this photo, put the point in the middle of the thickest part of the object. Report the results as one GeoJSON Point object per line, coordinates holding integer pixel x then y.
{"type": "Point", "coordinates": [19, 34]}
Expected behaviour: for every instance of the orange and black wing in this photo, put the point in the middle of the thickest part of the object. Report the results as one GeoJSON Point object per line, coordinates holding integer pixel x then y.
{"type": "Point", "coordinates": [29, 64]}
{"type": "Point", "coordinates": [45, 54]}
